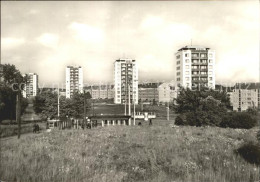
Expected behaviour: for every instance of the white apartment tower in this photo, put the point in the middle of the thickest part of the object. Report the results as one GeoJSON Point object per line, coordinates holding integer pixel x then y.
{"type": "Point", "coordinates": [31, 86]}
{"type": "Point", "coordinates": [74, 80]}
{"type": "Point", "coordinates": [126, 81]}
{"type": "Point", "coordinates": [195, 67]}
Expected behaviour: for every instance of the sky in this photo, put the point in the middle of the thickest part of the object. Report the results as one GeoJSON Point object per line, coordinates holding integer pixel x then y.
{"type": "Point", "coordinates": [46, 36]}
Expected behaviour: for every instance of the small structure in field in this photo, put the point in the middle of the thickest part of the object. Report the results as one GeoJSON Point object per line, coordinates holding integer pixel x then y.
{"type": "Point", "coordinates": [106, 120]}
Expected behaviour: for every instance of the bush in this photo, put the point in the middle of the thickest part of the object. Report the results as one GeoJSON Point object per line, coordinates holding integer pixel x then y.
{"type": "Point", "coordinates": [250, 152]}
{"type": "Point", "coordinates": [180, 120]}
{"type": "Point", "coordinates": [238, 120]}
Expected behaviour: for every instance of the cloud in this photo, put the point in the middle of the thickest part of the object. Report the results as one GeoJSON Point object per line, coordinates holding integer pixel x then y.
{"type": "Point", "coordinates": [10, 42]}
{"type": "Point", "coordinates": [151, 22]}
{"type": "Point", "coordinates": [87, 33]}
{"type": "Point", "coordinates": [49, 40]}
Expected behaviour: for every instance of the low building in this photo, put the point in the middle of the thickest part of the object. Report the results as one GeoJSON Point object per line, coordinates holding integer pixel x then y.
{"type": "Point", "coordinates": [101, 91]}
{"type": "Point", "coordinates": [244, 96]}
{"type": "Point", "coordinates": [148, 92]}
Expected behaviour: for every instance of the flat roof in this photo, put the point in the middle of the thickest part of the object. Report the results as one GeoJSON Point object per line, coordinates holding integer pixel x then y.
{"type": "Point", "coordinates": [110, 117]}
{"type": "Point", "coordinates": [196, 47]}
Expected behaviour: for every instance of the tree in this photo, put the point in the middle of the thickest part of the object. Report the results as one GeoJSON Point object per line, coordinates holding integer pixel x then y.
{"type": "Point", "coordinates": [8, 96]}
{"type": "Point", "coordinates": [200, 107]}
{"type": "Point", "coordinates": [46, 104]}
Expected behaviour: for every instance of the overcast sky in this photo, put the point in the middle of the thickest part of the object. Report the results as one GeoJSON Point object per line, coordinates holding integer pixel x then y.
{"type": "Point", "coordinates": [45, 37]}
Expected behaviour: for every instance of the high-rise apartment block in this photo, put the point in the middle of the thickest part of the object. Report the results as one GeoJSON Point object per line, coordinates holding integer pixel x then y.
{"type": "Point", "coordinates": [31, 86]}
{"type": "Point", "coordinates": [126, 81]}
{"type": "Point", "coordinates": [195, 67]}
{"type": "Point", "coordinates": [74, 80]}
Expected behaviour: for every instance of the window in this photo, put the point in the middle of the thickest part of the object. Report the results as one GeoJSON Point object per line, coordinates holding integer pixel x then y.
{"type": "Point", "coordinates": [178, 79]}
{"type": "Point", "coordinates": [203, 72]}
{"type": "Point", "coordinates": [178, 57]}
{"type": "Point", "coordinates": [210, 78]}
{"type": "Point", "coordinates": [202, 55]}
{"type": "Point", "coordinates": [187, 78]}
{"type": "Point", "coordinates": [210, 61]}
{"type": "Point", "coordinates": [187, 72]}
{"type": "Point", "coordinates": [187, 55]}
{"type": "Point", "coordinates": [210, 66]}
{"type": "Point", "coordinates": [178, 68]}
{"type": "Point", "coordinates": [195, 61]}
{"type": "Point", "coordinates": [178, 62]}
{"type": "Point", "coordinates": [210, 55]}
{"type": "Point", "coordinates": [210, 72]}
{"type": "Point", "coordinates": [187, 66]}
{"type": "Point", "coordinates": [178, 73]}
{"type": "Point", "coordinates": [195, 55]}
{"type": "Point", "coordinates": [187, 61]}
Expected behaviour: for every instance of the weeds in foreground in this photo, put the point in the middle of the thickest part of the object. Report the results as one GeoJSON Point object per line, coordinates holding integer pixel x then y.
{"type": "Point", "coordinates": [130, 153]}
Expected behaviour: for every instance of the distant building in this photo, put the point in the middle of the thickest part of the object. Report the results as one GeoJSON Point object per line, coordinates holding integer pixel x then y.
{"type": "Point", "coordinates": [167, 92]}
{"type": "Point", "coordinates": [74, 80]}
{"type": "Point", "coordinates": [101, 91]}
{"type": "Point", "coordinates": [31, 87]}
{"type": "Point", "coordinates": [148, 92]}
{"type": "Point", "coordinates": [126, 81]}
{"type": "Point", "coordinates": [195, 67]}
{"type": "Point", "coordinates": [244, 96]}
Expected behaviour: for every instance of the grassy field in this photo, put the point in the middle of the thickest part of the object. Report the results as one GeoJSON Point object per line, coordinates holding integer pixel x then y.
{"type": "Point", "coordinates": [11, 130]}
{"type": "Point", "coordinates": [130, 153]}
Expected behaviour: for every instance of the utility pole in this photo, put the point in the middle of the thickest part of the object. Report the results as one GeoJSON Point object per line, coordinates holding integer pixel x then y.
{"type": "Point", "coordinates": [58, 103]}
{"type": "Point", "coordinates": [167, 108]}
{"type": "Point", "coordinates": [129, 102]}
{"type": "Point", "coordinates": [18, 112]}
{"type": "Point", "coordinates": [84, 119]}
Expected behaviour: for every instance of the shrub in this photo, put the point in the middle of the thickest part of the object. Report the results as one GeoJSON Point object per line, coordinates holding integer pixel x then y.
{"type": "Point", "coordinates": [252, 111]}
{"type": "Point", "coordinates": [238, 120]}
{"type": "Point", "coordinates": [202, 118]}
{"type": "Point", "coordinates": [180, 120]}
{"type": "Point", "coordinates": [250, 152]}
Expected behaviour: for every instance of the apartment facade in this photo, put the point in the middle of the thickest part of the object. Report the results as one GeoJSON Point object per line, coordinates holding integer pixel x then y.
{"type": "Point", "coordinates": [126, 81]}
{"type": "Point", "coordinates": [101, 91]}
{"type": "Point", "coordinates": [195, 67]}
{"type": "Point", "coordinates": [245, 96]}
{"type": "Point", "coordinates": [167, 92]}
{"type": "Point", "coordinates": [74, 80]}
{"type": "Point", "coordinates": [31, 87]}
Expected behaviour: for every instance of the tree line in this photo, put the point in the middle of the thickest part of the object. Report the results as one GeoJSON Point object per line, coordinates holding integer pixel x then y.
{"type": "Point", "coordinates": [46, 105]}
